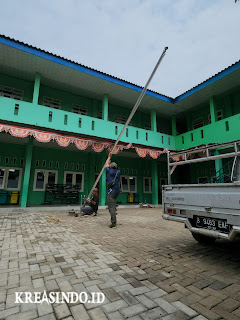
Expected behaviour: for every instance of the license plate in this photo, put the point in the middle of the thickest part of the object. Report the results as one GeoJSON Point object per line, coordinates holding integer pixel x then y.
{"type": "Point", "coordinates": [212, 224]}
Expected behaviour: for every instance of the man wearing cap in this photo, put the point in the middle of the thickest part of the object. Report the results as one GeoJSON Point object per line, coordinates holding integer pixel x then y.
{"type": "Point", "coordinates": [93, 205]}
{"type": "Point", "coordinates": [113, 189]}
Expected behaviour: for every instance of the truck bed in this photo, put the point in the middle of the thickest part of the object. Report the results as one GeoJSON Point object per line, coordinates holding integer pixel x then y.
{"type": "Point", "coordinates": [215, 203]}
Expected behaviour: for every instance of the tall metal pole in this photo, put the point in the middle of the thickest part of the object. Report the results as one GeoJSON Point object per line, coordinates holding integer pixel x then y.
{"type": "Point", "coordinates": [130, 116]}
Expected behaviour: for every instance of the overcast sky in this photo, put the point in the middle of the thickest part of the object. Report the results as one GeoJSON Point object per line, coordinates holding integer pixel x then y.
{"type": "Point", "coordinates": [126, 37]}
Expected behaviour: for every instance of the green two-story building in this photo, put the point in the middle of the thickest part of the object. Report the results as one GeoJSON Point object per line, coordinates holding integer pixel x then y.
{"type": "Point", "coordinates": [59, 119]}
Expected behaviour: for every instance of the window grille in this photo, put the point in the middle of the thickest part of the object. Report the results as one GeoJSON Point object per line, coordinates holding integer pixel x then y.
{"type": "Point", "coordinates": [197, 123]}
{"type": "Point", "coordinates": [99, 114]}
{"type": "Point", "coordinates": [11, 93]}
{"type": "Point", "coordinates": [147, 126]}
{"type": "Point", "coordinates": [122, 120]}
{"type": "Point", "coordinates": [79, 110]}
{"type": "Point", "coordinates": [219, 115]}
{"type": "Point", "coordinates": [51, 103]}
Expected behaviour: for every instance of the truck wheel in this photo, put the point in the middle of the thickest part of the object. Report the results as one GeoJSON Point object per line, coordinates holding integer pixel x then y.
{"type": "Point", "coordinates": [203, 239]}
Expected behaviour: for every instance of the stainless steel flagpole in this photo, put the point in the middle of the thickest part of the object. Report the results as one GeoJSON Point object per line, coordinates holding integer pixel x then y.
{"type": "Point", "coordinates": [129, 118]}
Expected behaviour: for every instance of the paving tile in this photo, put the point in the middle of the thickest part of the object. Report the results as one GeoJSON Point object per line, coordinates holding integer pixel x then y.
{"type": "Point", "coordinates": [178, 315]}
{"type": "Point", "coordinates": [61, 311]}
{"type": "Point", "coordinates": [156, 313]}
{"type": "Point", "coordinates": [133, 310]}
{"type": "Point", "coordinates": [115, 306]}
{"type": "Point", "coordinates": [141, 269]}
{"type": "Point", "coordinates": [185, 309]}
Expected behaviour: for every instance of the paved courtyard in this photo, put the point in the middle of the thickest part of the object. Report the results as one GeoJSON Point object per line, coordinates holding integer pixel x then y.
{"type": "Point", "coordinates": [148, 268]}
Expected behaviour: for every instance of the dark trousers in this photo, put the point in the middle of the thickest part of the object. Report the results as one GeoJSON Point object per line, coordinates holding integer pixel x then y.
{"type": "Point", "coordinates": [112, 207]}
{"type": "Point", "coordinates": [87, 210]}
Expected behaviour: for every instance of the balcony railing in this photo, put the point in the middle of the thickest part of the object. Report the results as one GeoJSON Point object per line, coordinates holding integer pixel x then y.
{"type": "Point", "coordinates": [37, 115]}
{"type": "Point", "coordinates": [220, 131]}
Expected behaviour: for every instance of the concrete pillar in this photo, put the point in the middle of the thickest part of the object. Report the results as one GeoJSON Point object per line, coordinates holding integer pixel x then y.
{"type": "Point", "coordinates": [140, 179]}
{"type": "Point", "coordinates": [153, 121]}
{"type": "Point", "coordinates": [36, 88]}
{"type": "Point", "coordinates": [218, 167]}
{"type": "Point", "coordinates": [26, 175]}
{"type": "Point", "coordinates": [154, 182]}
{"type": "Point", "coordinates": [105, 107]}
{"type": "Point", "coordinates": [213, 111]}
{"type": "Point", "coordinates": [174, 126]}
{"type": "Point", "coordinates": [102, 182]}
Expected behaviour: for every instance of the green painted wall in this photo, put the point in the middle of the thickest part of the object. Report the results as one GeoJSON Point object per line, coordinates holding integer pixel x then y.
{"type": "Point", "coordinates": [62, 156]}
{"type": "Point", "coordinates": [11, 151]}
{"type": "Point", "coordinates": [92, 161]}
{"type": "Point", "coordinates": [69, 99]}
{"type": "Point", "coordinates": [220, 131]}
{"type": "Point", "coordinates": [16, 83]}
{"type": "Point", "coordinates": [203, 169]}
{"type": "Point", "coordinates": [89, 125]}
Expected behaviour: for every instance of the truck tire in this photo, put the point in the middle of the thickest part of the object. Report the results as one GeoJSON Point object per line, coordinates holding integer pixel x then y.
{"type": "Point", "coordinates": [203, 239]}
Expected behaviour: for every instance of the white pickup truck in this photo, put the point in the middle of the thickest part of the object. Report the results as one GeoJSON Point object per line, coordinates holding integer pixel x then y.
{"type": "Point", "coordinates": [212, 210]}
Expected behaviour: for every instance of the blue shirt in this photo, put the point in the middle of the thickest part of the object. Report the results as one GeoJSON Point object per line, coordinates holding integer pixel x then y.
{"type": "Point", "coordinates": [110, 175]}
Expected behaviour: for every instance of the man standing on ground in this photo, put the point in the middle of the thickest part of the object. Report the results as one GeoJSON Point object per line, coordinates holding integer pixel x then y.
{"type": "Point", "coordinates": [113, 189]}
{"type": "Point", "coordinates": [93, 205]}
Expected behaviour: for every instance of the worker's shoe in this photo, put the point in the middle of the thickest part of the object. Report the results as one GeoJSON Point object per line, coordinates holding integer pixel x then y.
{"type": "Point", "coordinates": [112, 226]}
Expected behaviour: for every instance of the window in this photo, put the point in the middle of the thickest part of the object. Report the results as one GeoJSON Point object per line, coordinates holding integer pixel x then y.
{"type": "Point", "coordinates": [209, 119]}
{"type": "Point", "coordinates": [197, 123]}
{"type": "Point", "coordinates": [79, 110]}
{"type": "Point", "coordinates": [147, 185]}
{"type": "Point", "coordinates": [147, 126]}
{"type": "Point", "coordinates": [37, 163]}
{"type": "Point", "coordinates": [51, 103]}
{"type": "Point", "coordinates": [122, 120]}
{"type": "Point", "coordinates": [43, 177]}
{"type": "Point", "coordinates": [57, 164]}
{"type": "Point", "coordinates": [11, 93]}
{"type": "Point", "coordinates": [10, 178]}
{"type": "Point", "coordinates": [13, 179]}
{"type": "Point", "coordinates": [2, 177]}
{"type": "Point", "coordinates": [50, 164]}
{"type": "Point", "coordinates": [129, 184]}
{"type": "Point", "coordinates": [77, 166]}
{"type": "Point", "coordinates": [124, 183]}
{"type": "Point", "coordinates": [74, 178]}
{"type": "Point", "coordinates": [202, 180]}
{"type": "Point", "coordinates": [219, 115]}
{"type": "Point", "coordinates": [72, 166]}
{"type": "Point", "coordinates": [99, 114]}
{"type": "Point", "coordinates": [14, 161]}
